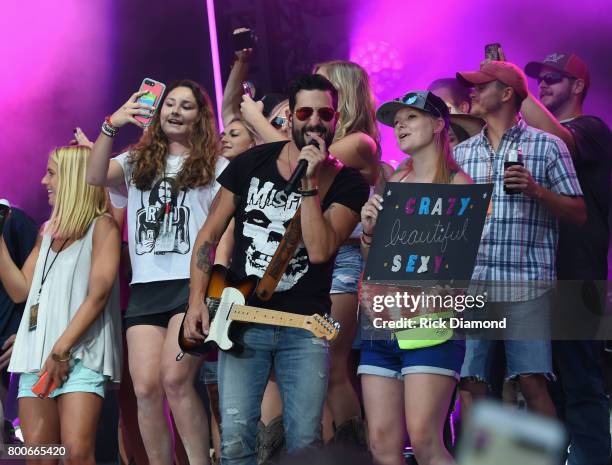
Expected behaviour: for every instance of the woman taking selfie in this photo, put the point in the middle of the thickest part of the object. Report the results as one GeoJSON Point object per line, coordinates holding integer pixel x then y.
{"type": "Point", "coordinates": [417, 383]}
{"type": "Point", "coordinates": [169, 177]}
{"type": "Point", "coordinates": [68, 345]}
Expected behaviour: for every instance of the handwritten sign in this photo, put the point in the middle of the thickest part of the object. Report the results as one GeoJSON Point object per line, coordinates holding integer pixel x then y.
{"type": "Point", "coordinates": [427, 232]}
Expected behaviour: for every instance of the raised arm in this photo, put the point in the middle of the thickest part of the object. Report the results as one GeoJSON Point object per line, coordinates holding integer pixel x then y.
{"type": "Point", "coordinates": [100, 170]}
{"type": "Point", "coordinates": [230, 108]}
{"type": "Point", "coordinates": [358, 150]}
{"type": "Point", "coordinates": [252, 113]}
{"type": "Point", "coordinates": [538, 116]}
{"type": "Point", "coordinates": [104, 266]}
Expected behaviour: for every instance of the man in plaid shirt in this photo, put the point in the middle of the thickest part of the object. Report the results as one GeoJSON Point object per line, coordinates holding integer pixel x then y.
{"type": "Point", "coordinates": [516, 257]}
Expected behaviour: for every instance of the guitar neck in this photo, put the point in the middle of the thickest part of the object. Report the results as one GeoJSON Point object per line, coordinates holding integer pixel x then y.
{"type": "Point", "coordinates": [250, 314]}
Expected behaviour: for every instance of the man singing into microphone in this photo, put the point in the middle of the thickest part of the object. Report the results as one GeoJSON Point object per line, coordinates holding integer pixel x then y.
{"type": "Point", "coordinates": [252, 192]}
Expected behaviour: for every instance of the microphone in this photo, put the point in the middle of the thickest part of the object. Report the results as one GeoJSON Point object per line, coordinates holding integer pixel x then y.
{"type": "Point", "coordinates": [5, 209]}
{"type": "Point", "coordinates": [300, 171]}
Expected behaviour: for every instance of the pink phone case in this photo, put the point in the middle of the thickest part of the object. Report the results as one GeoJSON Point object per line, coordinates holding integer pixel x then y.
{"type": "Point", "coordinates": [154, 95]}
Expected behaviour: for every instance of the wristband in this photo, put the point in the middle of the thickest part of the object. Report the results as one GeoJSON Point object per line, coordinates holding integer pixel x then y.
{"type": "Point", "coordinates": [366, 234]}
{"type": "Point", "coordinates": [308, 192]}
{"type": "Point", "coordinates": [108, 121]}
{"type": "Point", "coordinates": [108, 128]}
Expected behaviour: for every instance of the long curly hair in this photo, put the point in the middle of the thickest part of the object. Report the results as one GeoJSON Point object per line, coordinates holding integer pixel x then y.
{"type": "Point", "coordinates": [356, 103]}
{"type": "Point", "coordinates": [148, 155]}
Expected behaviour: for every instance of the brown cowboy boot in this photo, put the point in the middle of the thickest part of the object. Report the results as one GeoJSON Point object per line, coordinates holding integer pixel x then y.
{"type": "Point", "coordinates": [351, 433]}
{"type": "Point", "coordinates": [270, 441]}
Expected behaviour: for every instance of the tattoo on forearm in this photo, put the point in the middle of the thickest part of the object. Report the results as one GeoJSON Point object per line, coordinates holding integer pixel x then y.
{"type": "Point", "coordinates": [206, 257]}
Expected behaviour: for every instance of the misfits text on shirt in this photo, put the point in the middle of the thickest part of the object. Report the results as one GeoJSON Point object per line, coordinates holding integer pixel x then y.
{"type": "Point", "coordinates": [268, 212]}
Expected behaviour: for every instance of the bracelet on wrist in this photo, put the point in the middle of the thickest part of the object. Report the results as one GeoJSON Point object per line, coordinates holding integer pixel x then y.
{"type": "Point", "coordinates": [62, 358]}
{"type": "Point", "coordinates": [108, 128]}
{"type": "Point", "coordinates": [366, 234]}
{"type": "Point", "coordinates": [308, 192]}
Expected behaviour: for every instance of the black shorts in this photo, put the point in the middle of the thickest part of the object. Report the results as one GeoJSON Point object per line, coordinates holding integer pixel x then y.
{"type": "Point", "coordinates": [156, 302]}
{"type": "Point", "coordinates": [156, 319]}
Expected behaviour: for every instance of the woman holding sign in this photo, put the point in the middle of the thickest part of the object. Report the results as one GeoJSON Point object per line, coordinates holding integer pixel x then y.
{"type": "Point", "coordinates": [429, 369]}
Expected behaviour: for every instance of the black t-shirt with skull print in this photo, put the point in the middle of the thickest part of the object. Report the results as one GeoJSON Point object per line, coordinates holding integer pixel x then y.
{"type": "Point", "coordinates": [263, 214]}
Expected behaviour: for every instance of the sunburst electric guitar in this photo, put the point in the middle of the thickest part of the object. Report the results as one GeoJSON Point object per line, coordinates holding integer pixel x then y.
{"type": "Point", "coordinates": [226, 297]}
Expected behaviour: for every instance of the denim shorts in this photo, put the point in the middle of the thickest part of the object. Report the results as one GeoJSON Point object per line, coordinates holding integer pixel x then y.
{"type": "Point", "coordinates": [383, 357]}
{"type": "Point", "coordinates": [347, 270]}
{"type": "Point", "coordinates": [80, 379]}
{"type": "Point", "coordinates": [528, 356]}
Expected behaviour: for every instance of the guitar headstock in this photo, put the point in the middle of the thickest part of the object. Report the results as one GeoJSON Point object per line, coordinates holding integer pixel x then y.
{"type": "Point", "coordinates": [323, 326]}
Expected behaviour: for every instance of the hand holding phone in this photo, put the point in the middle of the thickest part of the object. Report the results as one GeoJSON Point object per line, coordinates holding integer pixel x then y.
{"type": "Point", "coordinates": [141, 106]}
{"type": "Point", "coordinates": [44, 386]}
{"type": "Point", "coordinates": [492, 51]}
{"type": "Point", "coordinates": [152, 92]}
{"type": "Point", "coordinates": [248, 88]}
{"type": "Point", "coordinates": [244, 39]}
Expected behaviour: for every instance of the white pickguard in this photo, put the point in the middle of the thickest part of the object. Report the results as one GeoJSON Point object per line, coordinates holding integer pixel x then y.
{"type": "Point", "coordinates": [219, 328]}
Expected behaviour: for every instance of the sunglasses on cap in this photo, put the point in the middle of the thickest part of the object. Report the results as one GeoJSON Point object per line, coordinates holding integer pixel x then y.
{"type": "Point", "coordinates": [325, 113]}
{"type": "Point", "coordinates": [419, 100]}
{"type": "Point", "coordinates": [278, 122]}
{"type": "Point", "coordinates": [552, 78]}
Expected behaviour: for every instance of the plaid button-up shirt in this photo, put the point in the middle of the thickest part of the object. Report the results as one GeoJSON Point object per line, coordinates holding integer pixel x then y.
{"type": "Point", "coordinates": [516, 256]}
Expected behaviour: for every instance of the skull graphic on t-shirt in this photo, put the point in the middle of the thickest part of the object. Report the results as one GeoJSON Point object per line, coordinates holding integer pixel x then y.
{"type": "Point", "coordinates": [268, 212]}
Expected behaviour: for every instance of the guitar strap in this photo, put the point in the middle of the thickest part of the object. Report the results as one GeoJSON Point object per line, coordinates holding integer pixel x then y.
{"type": "Point", "coordinates": [293, 236]}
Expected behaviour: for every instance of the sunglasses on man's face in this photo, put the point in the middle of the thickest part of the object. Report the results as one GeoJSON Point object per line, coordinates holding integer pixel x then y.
{"type": "Point", "coordinates": [325, 113]}
{"type": "Point", "coordinates": [278, 122]}
{"type": "Point", "coordinates": [551, 78]}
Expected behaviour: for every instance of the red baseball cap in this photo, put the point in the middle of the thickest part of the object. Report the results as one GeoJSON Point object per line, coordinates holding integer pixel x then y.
{"type": "Point", "coordinates": [502, 71]}
{"type": "Point", "coordinates": [568, 63]}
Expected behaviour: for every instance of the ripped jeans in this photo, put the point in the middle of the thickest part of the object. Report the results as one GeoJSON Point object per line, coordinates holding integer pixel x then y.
{"type": "Point", "coordinates": [301, 367]}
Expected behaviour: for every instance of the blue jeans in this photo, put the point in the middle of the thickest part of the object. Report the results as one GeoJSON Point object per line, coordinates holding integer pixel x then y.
{"type": "Point", "coordinates": [583, 405]}
{"type": "Point", "coordinates": [301, 366]}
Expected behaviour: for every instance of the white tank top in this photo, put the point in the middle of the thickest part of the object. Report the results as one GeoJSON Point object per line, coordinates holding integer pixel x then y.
{"type": "Point", "coordinates": [65, 289]}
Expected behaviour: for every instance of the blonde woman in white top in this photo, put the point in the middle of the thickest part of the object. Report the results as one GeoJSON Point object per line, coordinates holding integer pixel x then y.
{"type": "Point", "coordinates": [69, 329]}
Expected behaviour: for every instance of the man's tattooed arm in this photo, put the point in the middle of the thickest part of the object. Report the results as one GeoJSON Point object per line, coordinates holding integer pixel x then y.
{"type": "Point", "coordinates": [206, 257]}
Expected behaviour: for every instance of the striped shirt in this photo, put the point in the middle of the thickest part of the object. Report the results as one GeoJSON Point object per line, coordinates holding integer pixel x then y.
{"type": "Point", "coordinates": [517, 250]}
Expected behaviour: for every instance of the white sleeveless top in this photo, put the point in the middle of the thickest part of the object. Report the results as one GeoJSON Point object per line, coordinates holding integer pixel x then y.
{"type": "Point", "coordinates": [65, 289]}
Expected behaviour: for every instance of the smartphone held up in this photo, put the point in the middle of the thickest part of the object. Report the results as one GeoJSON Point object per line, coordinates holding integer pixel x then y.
{"type": "Point", "coordinates": [492, 51]}
{"type": "Point", "coordinates": [154, 93]}
{"type": "Point", "coordinates": [244, 39]}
